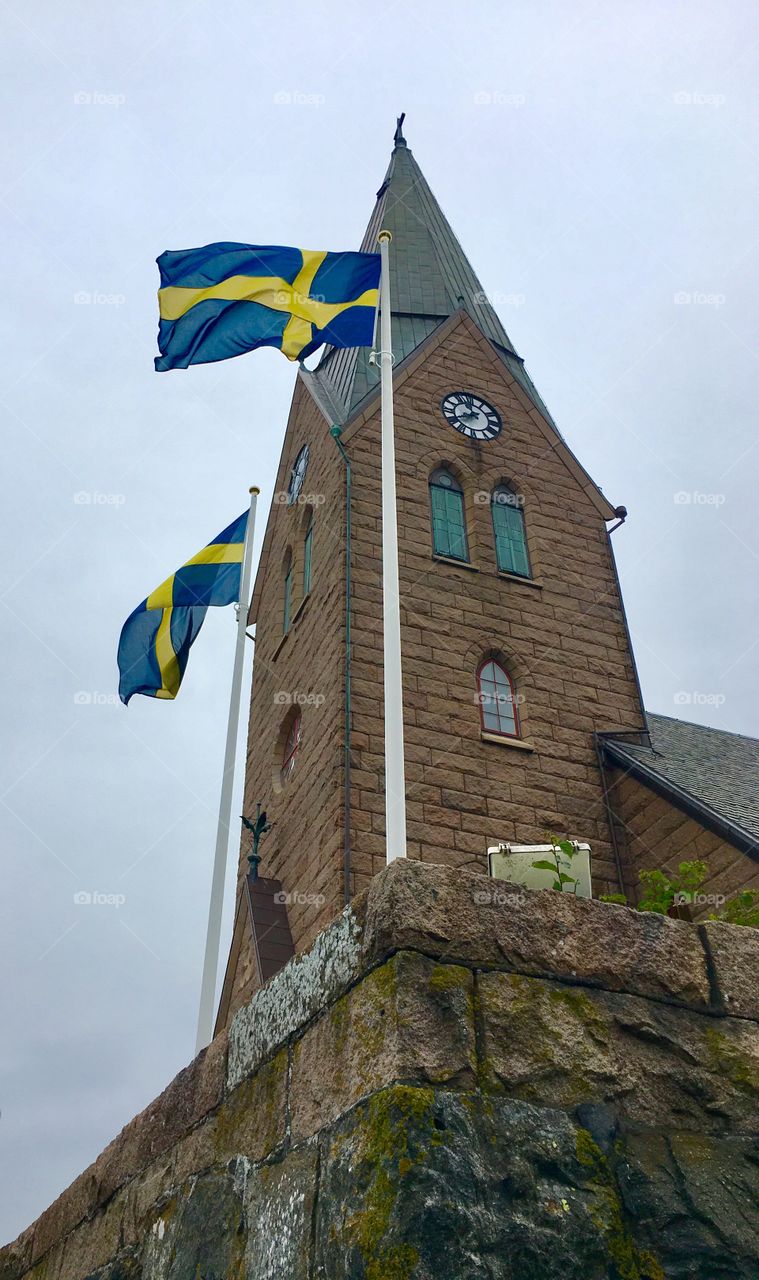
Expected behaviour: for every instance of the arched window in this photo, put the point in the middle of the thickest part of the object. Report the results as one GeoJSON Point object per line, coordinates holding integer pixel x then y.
{"type": "Point", "coordinates": [508, 531]}
{"type": "Point", "coordinates": [447, 506]}
{"type": "Point", "coordinates": [307, 546]}
{"type": "Point", "coordinates": [290, 749]}
{"type": "Point", "coordinates": [497, 698]}
{"type": "Point", "coordinates": [287, 594]}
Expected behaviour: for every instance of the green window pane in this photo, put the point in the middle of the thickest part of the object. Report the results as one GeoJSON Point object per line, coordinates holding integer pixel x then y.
{"type": "Point", "coordinates": [307, 561]}
{"type": "Point", "coordinates": [510, 540]}
{"type": "Point", "coordinates": [448, 528]}
{"type": "Point", "coordinates": [288, 593]}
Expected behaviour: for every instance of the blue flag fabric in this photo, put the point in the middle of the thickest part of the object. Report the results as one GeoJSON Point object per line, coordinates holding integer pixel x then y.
{"type": "Point", "coordinates": [226, 299]}
{"type": "Point", "coordinates": [156, 639]}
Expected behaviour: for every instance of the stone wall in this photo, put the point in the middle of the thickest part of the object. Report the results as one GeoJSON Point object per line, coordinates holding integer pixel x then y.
{"type": "Point", "coordinates": [655, 833]}
{"type": "Point", "coordinates": [561, 634]}
{"type": "Point", "coordinates": [459, 1079]}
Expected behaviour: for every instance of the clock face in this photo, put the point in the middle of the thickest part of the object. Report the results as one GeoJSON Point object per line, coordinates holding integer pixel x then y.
{"type": "Point", "coordinates": [471, 415]}
{"type": "Point", "coordinates": [297, 476]}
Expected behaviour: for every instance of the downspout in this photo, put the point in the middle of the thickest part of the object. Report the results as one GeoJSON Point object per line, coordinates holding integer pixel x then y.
{"type": "Point", "coordinates": [610, 814]}
{"type": "Point", "coordinates": [335, 432]}
{"type": "Point", "coordinates": [621, 514]}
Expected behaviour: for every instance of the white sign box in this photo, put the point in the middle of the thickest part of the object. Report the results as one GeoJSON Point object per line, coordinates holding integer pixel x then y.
{"type": "Point", "coordinates": [514, 862]}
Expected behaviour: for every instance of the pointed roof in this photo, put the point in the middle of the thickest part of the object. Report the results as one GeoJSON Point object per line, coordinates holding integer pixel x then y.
{"type": "Point", "coordinates": [430, 279]}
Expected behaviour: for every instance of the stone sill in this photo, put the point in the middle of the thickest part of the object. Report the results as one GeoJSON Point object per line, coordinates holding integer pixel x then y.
{"type": "Point", "coordinates": [295, 618]}
{"type": "Point", "coordinates": [301, 608]}
{"type": "Point", "coordinates": [280, 647]}
{"type": "Point", "coordinates": [535, 583]}
{"type": "Point", "coordinates": [503, 741]}
{"type": "Point", "coordinates": [457, 564]}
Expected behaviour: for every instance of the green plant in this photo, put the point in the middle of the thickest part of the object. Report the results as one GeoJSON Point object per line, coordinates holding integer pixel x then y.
{"type": "Point", "coordinates": [563, 878]}
{"type": "Point", "coordinates": [742, 908]}
{"type": "Point", "coordinates": [660, 891]}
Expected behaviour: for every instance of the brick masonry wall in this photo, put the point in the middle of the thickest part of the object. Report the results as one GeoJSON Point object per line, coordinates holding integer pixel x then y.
{"type": "Point", "coordinates": [561, 636]}
{"type": "Point", "coordinates": [445, 1084]}
{"type": "Point", "coordinates": [304, 848]}
{"type": "Point", "coordinates": [654, 833]}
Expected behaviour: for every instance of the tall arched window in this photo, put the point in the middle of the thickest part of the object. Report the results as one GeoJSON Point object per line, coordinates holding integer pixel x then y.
{"type": "Point", "coordinates": [498, 701]}
{"type": "Point", "coordinates": [287, 593]}
{"type": "Point", "coordinates": [509, 532]}
{"type": "Point", "coordinates": [447, 507]}
{"type": "Point", "coordinates": [290, 749]}
{"type": "Point", "coordinates": [308, 539]}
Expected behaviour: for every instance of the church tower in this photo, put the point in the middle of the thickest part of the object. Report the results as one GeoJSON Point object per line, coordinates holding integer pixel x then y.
{"type": "Point", "coordinates": [516, 652]}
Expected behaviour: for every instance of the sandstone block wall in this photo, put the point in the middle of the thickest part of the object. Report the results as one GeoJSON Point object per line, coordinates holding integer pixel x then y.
{"type": "Point", "coordinates": [654, 833]}
{"type": "Point", "coordinates": [460, 1079]}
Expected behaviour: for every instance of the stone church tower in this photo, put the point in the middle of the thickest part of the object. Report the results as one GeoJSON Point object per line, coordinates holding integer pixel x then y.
{"type": "Point", "coordinates": [450, 1081]}
{"type": "Point", "coordinates": [508, 587]}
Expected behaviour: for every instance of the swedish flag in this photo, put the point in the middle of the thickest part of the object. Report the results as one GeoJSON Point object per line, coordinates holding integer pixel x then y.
{"type": "Point", "coordinates": [155, 639]}
{"type": "Point", "coordinates": [225, 299]}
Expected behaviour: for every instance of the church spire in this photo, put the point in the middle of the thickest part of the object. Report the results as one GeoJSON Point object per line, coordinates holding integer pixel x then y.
{"type": "Point", "coordinates": [430, 279]}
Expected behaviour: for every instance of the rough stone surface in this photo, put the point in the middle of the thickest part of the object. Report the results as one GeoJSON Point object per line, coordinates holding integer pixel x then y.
{"type": "Point", "coordinates": [305, 986]}
{"type": "Point", "coordinates": [410, 1019]}
{"type": "Point", "coordinates": [431, 1107]}
{"type": "Point", "coordinates": [735, 956]}
{"type": "Point", "coordinates": [198, 1233]}
{"type": "Point", "coordinates": [463, 917]}
{"type": "Point", "coordinates": [279, 1206]}
{"type": "Point", "coordinates": [428, 1185]}
{"type": "Point", "coordinates": [563, 1046]}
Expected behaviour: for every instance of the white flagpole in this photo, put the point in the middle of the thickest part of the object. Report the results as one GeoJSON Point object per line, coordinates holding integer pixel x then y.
{"type": "Point", "coordinates": [213, 936]}
{"type": "Point", "coordinates": [395, 773]}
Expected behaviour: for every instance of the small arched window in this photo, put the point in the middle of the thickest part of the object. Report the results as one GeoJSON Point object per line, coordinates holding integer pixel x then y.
{"type": "Point", "coordinates": [509, 532]}
{"type": "Point", "coordinates": [498, 700]}
{"type": "Point", "coordinates": [290, 749]}
{"type": "Point", "coordinates": [287, 593]}
{"type": "Point", "coordinates": [307, 548]}
{"type": "Point", "coordinates": [447, 507]}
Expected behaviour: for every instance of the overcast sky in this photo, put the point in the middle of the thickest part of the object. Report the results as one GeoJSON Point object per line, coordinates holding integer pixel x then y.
{"type": "Point", "coordinates": [598, 162]}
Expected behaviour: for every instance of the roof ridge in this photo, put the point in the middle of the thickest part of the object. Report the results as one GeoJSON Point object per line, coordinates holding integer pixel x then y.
{"type": "Point", "coordinates": [707, 728]}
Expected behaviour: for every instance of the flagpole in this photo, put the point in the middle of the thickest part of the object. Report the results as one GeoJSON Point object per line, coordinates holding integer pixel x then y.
{"type": "Point", "coordinates": [213, 935]}
{"type": "Point", "coordinates": [395, 773]}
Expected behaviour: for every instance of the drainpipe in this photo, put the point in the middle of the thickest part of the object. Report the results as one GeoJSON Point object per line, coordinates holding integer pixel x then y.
{"type": "Point", "coordinates": [621, 514]}
{"type": "Point", "coordinates": [335, 432]}
{"type": "Point", "coordinates": [609, 813]}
